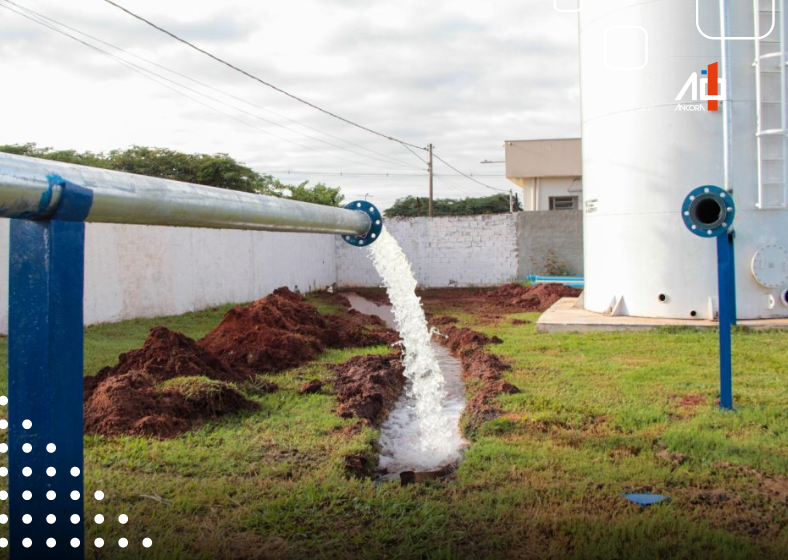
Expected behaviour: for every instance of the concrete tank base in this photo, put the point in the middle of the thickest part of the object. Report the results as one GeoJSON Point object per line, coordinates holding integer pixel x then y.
{"type": "Point", "coordinates": [566, 317]}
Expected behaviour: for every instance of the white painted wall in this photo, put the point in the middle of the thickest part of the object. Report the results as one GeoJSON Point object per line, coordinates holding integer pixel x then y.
{"type": "Point", "coordinates": [445, 251]}
{"type": "Point", "coordinates": [151, 271]}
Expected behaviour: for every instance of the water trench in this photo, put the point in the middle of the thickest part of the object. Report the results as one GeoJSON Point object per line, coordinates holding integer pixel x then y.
{"type": "Point", "coordinates": [422, 432]}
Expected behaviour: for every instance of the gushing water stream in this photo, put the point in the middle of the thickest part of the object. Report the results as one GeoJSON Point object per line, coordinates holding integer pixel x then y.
{"type": "Point", "coordinates": [422, 432]}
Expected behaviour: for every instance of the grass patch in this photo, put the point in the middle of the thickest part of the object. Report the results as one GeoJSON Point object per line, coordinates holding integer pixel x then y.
{"type": "Point", "coordinates": [598, 415]}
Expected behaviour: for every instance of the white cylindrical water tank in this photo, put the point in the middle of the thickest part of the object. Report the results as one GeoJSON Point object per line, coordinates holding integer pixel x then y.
{"type": "Point", "coordinates": [644, 151]}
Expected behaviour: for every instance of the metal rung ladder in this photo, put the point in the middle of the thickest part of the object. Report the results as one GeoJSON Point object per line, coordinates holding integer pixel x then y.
{"type": "Point", "coordinates": [771, 90]}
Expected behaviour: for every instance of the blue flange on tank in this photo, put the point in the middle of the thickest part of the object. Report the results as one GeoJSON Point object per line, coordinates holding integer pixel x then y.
{"type": "Point", "coordinates": [708, 211]}
{"type": "Point", "coordinates": [376, 223]}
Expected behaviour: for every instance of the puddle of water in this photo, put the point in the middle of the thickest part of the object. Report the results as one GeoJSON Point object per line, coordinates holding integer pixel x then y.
{"type": "Point", "coordinates": [401, 436]}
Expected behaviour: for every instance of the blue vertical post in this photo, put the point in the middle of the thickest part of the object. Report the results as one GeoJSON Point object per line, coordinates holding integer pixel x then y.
{"type": "Point", "coordinates": [45, 365]}
{"type": "Point", "coordinates": [726, 287]}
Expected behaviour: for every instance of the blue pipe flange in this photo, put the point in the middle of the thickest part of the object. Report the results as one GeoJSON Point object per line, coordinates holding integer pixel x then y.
{"type": "Point", "coordinates": [376, 223]}
{"type": "Point", "coordinates": [708, 211]}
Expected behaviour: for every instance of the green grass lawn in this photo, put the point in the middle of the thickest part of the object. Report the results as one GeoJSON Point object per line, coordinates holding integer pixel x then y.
{"type": "Point", "coordinates": [599, 415]}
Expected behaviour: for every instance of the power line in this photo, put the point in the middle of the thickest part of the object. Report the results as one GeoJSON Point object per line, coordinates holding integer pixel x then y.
{"type": "Point", "coordinates": [450, 166]}
{"type": "Point", "coordinates": [260, 80]}
{"type": "Point", "coordinates": [150, 75]}
{"type": "Point", "coordinates": [399, 163]}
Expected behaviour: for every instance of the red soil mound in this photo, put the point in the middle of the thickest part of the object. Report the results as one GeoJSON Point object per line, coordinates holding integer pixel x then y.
{"type": "Point", "coordinates": [131, 403]}
{"type": "Point", "coordinates": [460, 339]}
{"type": "Point", "coordinates": [139, 396]}
{"type": "Point", "coordinates": [368, 386]}
{"type": "Point", "coordinates": [531, 298]}
{"type": "Point", "coordinates": [128, 399]}
{"type": "Point", "coordinates": [167, 354]}
{"type": "Point", "coordinates": [282, 331]}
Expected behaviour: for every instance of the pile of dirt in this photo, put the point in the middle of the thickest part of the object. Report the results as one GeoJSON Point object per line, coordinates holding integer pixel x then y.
{"type": "Point", "coordinates": [282, 331]}
{"type": "Point", "coordinates": [172, 382]}
{"type": "Point", "coordinates": [461, 340]}
{"type": "Point", "coordinates": [161, 389]}
{"type": "Point", "coordinates": [134, 404]}
{"type": "Point", "coordinates": [367, 387]}
{"type": "Point", "coordinates": [531, 298]}
{"type": "Point", "coordinates": [481, 371]}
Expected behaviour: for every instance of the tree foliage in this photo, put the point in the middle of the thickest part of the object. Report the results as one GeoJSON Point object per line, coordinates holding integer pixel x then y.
{"type": "Point", "coordinates": [319, 194]}
{"type": "Point", "coordinates": [412, 206]}
{"type": "Point", "coordinates": [216, 170]}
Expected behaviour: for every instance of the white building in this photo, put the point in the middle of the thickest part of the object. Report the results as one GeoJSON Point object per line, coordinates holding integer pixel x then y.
{"type": "Point", "coordinates": [550, 172]}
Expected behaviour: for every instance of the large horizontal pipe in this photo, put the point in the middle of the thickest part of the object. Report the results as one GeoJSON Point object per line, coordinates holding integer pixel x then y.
{"type": "Point", "coordinates": [29, 189]}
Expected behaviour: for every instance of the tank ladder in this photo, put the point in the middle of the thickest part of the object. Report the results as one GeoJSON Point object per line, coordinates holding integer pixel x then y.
{"type": "Point", "coordinates": [771, 90]}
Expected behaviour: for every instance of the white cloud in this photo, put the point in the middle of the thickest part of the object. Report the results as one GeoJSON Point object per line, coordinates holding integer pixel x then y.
{"type": "Point", "coordinates": [463, 75]}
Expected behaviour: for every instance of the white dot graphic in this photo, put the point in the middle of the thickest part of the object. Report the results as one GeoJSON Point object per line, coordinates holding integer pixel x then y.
{"type": "Point", "coordinates": [27, 518]}
{"type": "Point", "coordinates": [75, 519]}
{"type": "Point", "coordinates": [99, 519]}
{"type": "Point", "coordinates": [3, 424]}
{"type": "Point", "coordinates": [27, 494]}
{"type": "Point", "coordinates": [123, 543]}
{"type": "Point", "coordinates": [3, 519]}
{"type": "Point", "coordinates": [147, 543]}
{"type": "Point", "coordinates": [74, 495]}
{"type": "Point", "coordinates": [51, 519]}
{"type": "Point", "coordinates": [27, 448]}
{"type": "Point", "coordinates": [75, 542]}
{"type": "Point", "coordinates": [99, 542]}
{"type": "Point", "coordinates": [99, 495]}
{"type": "Point", "coordinates": [123, 519]}
{"type": "Point", "coordinates": [27, 424]}
{"type": "Point", "coordinates": [27, 543]}
{"type": "Point", "coordinates": [3, 400]}
{"type": "Point", "coordinates": [51, 495]}
{"type": "Point", "coordinates": [51, 471]}
{"type": "Point", "coordinates": [3, 471]}
{"type": "Point", "coordinates": [51, 448]}
{"type": "Point", "coordinates": [3, 447]}
{"type": "Point", "coordinates": [27, 471]}
{"type": "Point", "coordinates": [3, 543]}
{"type": "Point", "coordinates": [74, 471]}
{"type": "Point", "coordinates": [51, 543]}
{"type": "Point", "coordinates": [3, 495]}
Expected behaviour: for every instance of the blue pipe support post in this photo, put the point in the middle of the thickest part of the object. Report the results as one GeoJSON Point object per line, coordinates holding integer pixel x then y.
{"type": "Point", "coordinates": [726, 287]}
{"type": "Point", "coordinates": [45, 379]}
{"type": "Point", "coordinates": [709, 212]}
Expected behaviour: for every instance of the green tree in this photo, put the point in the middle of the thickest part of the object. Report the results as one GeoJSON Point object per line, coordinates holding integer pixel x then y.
{"type": "Point", "coordinates": [412, 206]}
{"type": "Point", "coordinates": [319, 194]}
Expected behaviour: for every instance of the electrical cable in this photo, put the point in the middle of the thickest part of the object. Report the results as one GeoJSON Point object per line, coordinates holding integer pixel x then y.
{"type": "Point", "coordinates": [258, 79]}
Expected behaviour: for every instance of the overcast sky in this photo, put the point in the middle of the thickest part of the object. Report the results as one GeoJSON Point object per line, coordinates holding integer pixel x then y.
{"type": "Point", "coordinates": [464, 75]}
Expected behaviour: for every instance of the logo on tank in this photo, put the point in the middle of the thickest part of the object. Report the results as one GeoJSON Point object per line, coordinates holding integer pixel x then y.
{"type": "Point", "coordinates": [708, 87]}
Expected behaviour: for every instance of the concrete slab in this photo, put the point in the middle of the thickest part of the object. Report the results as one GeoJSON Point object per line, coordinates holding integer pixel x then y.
{"type": "Point", "coordinates": [564, 317]}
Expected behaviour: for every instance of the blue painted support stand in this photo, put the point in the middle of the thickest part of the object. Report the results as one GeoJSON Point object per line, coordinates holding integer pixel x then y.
{"type": "Point", "coordinates": [726, 286]}
{"type": "Point", "coordinates": [45, 364]}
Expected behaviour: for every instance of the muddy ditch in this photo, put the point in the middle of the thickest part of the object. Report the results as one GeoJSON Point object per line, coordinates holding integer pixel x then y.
{"type": "Point", "coordinates": [481, 370]}
{"type": "Point", "coordinates": [173, 383]}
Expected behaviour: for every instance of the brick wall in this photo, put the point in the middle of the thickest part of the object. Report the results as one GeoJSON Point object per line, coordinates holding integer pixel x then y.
{"type": "Point", "coordinates": [445, 251]}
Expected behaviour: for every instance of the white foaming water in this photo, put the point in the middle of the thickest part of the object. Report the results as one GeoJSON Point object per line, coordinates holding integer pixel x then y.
{"type": "Point", "coordinates": [422, 432]}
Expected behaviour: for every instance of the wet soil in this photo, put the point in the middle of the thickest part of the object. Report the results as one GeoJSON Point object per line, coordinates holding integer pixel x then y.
{"type": "Point", "coordinates": [367, 387]}
{"type": "Point", "coordinates": [172, 383]}
{"type": "Point", "coordinates": [481, 370]}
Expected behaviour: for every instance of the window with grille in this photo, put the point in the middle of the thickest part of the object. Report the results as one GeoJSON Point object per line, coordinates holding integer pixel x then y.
{"type": "Point", "coordinates": [563, 203]}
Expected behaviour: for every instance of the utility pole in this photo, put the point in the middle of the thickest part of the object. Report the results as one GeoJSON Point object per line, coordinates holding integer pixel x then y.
{"type": "Point", "coordinates": [429, 169]}
{"type": "Point", "coordinates": [511, 202]}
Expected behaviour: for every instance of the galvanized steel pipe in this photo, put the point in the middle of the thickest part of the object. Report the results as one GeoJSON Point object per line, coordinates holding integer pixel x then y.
{"type": "Point", "coordinates": [30, 188]}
